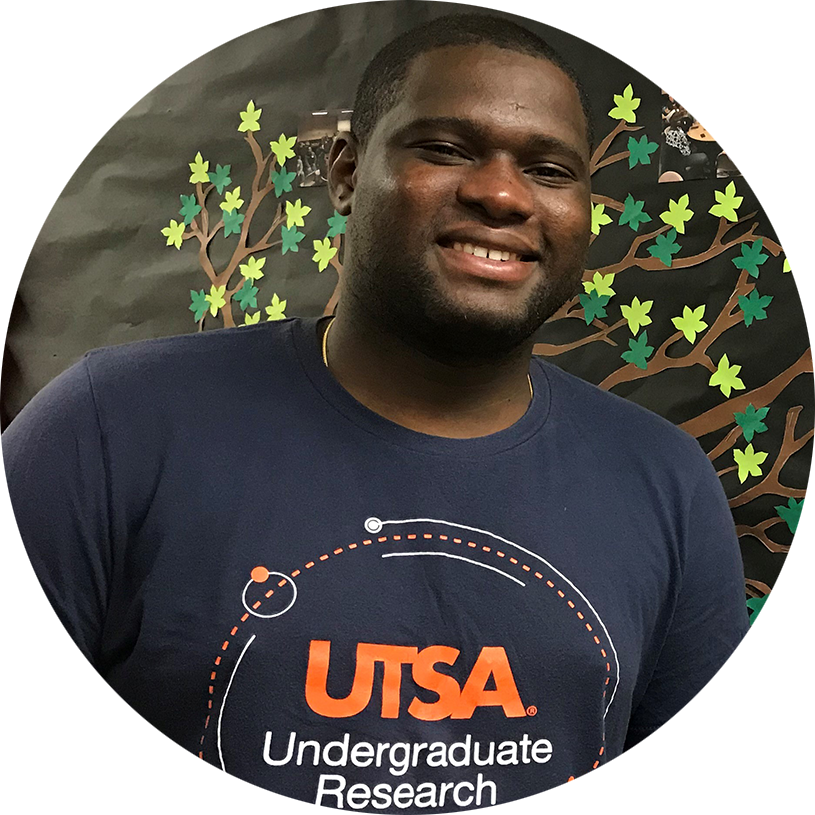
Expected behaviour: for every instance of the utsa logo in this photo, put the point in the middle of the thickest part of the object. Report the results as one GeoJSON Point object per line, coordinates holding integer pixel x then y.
{"type": "Point", "coordinates": [454, 701]}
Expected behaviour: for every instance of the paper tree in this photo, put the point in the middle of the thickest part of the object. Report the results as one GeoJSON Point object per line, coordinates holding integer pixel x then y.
{"type": "Point", "coordinates": [742, 248]}
{"type": "Point", "coordinates": [232, 290]}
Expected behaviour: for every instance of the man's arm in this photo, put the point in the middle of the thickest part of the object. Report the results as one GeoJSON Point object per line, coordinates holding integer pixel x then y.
{"type": "Point", "coordinates": [704, 783]}
{"type": "Point", "coordinates": [23, 792]}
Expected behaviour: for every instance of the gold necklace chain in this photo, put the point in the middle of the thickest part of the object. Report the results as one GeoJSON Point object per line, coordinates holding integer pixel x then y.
{"type": "Point", "coordinates": [325, 354]}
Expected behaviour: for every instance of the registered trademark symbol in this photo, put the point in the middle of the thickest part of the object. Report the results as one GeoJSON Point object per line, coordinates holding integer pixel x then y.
{"type": "Point", "coordinates": [531, 710]}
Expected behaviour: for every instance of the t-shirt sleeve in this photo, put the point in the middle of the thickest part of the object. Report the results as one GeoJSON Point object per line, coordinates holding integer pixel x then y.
{"type": "Point", "coordinates": [54, 459]}
{"type": "Point", "coordinates": [710, 617]}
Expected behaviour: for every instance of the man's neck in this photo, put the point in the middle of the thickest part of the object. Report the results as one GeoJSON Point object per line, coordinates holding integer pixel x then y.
{"type": "Point", "coordinates": [467, 399]}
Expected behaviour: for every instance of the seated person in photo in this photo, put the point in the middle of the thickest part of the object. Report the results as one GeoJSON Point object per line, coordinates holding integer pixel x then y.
{"type": "Point", "coordinates": [740, 138]}
{"type": "Point", "coordinates": [679, 153]}
{"type": "Point", "coordinates": [761, 106]}
{"type": "Point", "coordinates": [770, 134]}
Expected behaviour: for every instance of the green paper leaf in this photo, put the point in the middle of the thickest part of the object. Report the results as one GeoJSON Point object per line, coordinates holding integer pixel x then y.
{"type": "Point", "coordinates": [250, 118]}
{"type": "Point", "coordinates": [337, 224]}
{"type": "Point", "coordinates": [246, 295]}
{"type": "Point", "coordinates": [252, 319]}
{"type": "Point", "coordinates": [691, 322]}
{"type": "Point", "coordinates": [665, 248]}
{"type": "Point", "coordinates": [199, 169]}
{"type": "Point", "coordinates": [802, 614]}
{"type": "Point", "coordinates": [791, 513]}
{"type": "Point", "coordinates": [798, 257]}
{"type": "Point", "coordinates": [751, 257]}
{"type": "Point", "coordinates": [199, 304]}
{"type": "Point", "coordinates": [677, 214]}
{"type": "Point", "coordinates": [174, 233]}
{"type": "Point", "coordinates": [282, 181]}
{"type": "Point", "coordinates": [232, 222]}
{"type": "Point", "coordinates": [323, 252]}
{"type": "Point", "coordinates": [726, 377]}
{"type": "Point", "coordinates": [749, 462]}
{"type": "Point", "coordinates": [727, 203]}
{"type": "Point", "coordinates": [189, 208]}
{"type": "Point", "coordinates": [220, 178]}
{"type": "Point", "coordinates": [637, 314]}
{"type": "Point", "coordinates": [282, 149]}
{"type": "Point", "coordinates": [625, 105]}
{"type": "Point", "coordinates": [638, 351]}
{"type": "Point", "coordinates": [598, 218]}
{"type": "Point", "coordinates": [763, 611]}
{"type": "Point", "coordinates": [276, 309]}
{"type": "Point", "coordinates": [639, 152]}
{"type": "Point", "coordinates": [594, 305]}
{"type": "Point", "coordinates": [633, 214]}
{"type": "Point", "coordinates": [291, 237]}
{"type": "Point", "coordinates": [753, 306]}
{"type": "Point", "coordinates": [751, 421]}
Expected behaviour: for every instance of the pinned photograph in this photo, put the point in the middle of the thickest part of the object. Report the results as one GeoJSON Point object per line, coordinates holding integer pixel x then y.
{"type": "Point", "coordinates": [725, 125]}
{"type": "Point", "coordinates": [315, 135]}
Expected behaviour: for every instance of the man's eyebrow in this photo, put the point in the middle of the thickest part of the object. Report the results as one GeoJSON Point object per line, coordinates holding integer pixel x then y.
{"type": "Point", "coordinates": [473, 130]}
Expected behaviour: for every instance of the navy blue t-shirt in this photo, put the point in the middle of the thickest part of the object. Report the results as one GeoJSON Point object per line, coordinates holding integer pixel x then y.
{"type": "Point", "coordinates": [340, 609]}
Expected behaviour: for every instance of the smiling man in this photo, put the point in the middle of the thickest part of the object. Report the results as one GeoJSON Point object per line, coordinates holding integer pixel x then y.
{"type": "Point", "coordinates": [466, 576]}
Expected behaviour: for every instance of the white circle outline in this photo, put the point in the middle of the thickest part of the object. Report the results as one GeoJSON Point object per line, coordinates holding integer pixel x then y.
{"type": "Point", "coordinates": [373, 525]}
{"type": "Point", "coordinates": [277, 613]}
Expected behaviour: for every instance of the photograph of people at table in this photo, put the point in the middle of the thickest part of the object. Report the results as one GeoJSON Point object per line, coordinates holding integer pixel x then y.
{"type": "Point", "coordinates": [723, 125]}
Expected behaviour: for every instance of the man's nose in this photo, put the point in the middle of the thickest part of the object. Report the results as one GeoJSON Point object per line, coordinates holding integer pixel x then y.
{"type": "Point", "coordinates": [498, 188]}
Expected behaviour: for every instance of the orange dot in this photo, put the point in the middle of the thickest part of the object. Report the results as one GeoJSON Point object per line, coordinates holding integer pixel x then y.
{"type": "Point", "coordinates": [260, 574]}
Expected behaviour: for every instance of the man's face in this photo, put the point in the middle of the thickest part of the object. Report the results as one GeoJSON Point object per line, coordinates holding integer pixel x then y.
{"type": "Point", "coordinates": [485, 153]}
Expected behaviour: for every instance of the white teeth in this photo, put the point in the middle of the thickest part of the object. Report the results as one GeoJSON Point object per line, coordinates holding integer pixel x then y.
{"type": "Point", "coordinates": [483, 252]}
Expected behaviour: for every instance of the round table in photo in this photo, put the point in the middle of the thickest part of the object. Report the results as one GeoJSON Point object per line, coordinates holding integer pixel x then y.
{"type": "Point", "coordinates": [715, 128]}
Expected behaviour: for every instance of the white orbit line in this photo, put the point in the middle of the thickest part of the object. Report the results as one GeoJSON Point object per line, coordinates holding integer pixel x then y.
{"type": "Point", "coordinates": [223, 701]}
{"type": "Point", "coordinates": [542, 560]}
{"type": "Point", "coordinates": [277, 613]}
{"type": "Point", "coordinates": [456, 557]}
{"type": "Point", "coordinates": [377, 521]}
{"type": "Point", "coordinates": [565, 796]}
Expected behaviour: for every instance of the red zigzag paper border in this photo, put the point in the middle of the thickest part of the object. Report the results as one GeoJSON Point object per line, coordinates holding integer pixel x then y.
{"type": "Point", "coordinates": [24, 23]}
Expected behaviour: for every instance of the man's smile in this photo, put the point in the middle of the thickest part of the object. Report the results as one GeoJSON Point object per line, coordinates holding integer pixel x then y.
{"type": "Point", "coordinates": [491, 263]}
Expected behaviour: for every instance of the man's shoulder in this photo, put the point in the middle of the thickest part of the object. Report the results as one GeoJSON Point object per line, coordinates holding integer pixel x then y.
{"type": "Point", "coordinates": [607, 419]}
{"type": "Point", "coordinates": [238, 349]}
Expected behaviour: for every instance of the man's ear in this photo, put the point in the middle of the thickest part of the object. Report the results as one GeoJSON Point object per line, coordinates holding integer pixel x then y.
{"type": "Point", "coordinates": [343, 159]}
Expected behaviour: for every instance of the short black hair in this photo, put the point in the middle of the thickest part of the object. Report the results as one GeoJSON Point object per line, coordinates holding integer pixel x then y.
{"type": "Point", "coordinates": [381, 84]}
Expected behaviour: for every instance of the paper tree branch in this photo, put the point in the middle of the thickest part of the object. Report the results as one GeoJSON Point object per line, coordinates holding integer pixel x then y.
{"type": "Point", "coordinates": [722, 415]}
{"type": "Point", "coordinates": [732, 230]}
{"type": "Point", "coordinates": [770, 483]}
{"type": "Point", "coordinates": [759, 531]}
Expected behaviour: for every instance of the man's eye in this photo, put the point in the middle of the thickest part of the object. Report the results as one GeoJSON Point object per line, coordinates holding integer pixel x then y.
{"type": "Point", "coordinates": [550, 171]}
{"type": "Point", "coordinates": [442, 149]}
